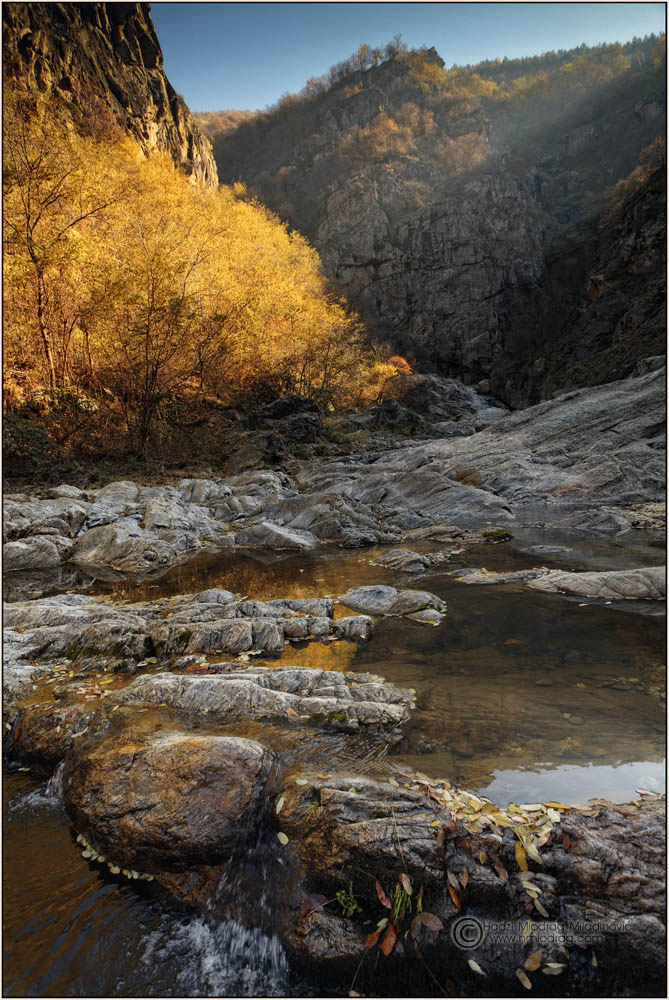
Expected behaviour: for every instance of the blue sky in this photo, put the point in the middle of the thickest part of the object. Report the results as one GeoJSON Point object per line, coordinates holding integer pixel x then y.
{"type": "Point", "coordinates": [246, 55]}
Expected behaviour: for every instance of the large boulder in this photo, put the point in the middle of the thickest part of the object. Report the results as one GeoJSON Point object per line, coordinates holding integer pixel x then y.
{"type": "Point", "coordinates": [176, 801]}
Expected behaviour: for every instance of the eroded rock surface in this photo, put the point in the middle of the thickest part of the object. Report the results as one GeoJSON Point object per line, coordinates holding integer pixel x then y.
{"type": "Point", "coordinates": [178, 800]}
{"type": "Point", "coordinates": [112, 636]}
{"type": "Point", "coordinates": [320, 697]}
{"type": "Point", "coordinates": [648, 583]}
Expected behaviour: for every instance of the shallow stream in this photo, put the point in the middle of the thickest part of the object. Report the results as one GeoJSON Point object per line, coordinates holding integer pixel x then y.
{"type": "Point", "coordinates": [522, 696]}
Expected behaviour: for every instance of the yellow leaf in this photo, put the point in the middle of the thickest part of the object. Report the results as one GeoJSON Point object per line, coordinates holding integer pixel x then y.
{"type": "Point", "coordinates": [533, 961]}
{"type": "Point", "coordinates": [521, 860]}
{"type": "Point", "coordinates": [541, 908]}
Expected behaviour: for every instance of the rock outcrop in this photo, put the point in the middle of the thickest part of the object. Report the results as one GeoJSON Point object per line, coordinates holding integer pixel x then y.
{"type": "Point", "coordinates": [105, 58]}
{"type": "Point", "coordinates": [478, 234]}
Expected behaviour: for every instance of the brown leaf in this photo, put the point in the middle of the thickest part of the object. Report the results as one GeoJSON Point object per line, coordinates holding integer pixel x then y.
{"type": "Point", "coordinates": [533, 961]}
{"type": "Point", "coordinates": [405, 882]}
{"type": "Point", "coordinates": [389, 939]}
{"type": "Point", "coordinates": [292, 713]}
{"type": "Point", "coordinates": [371, 939]}
{"type": "Point", "coordinates": [311, 903]}
{"type": "Point", "coordinates": [464, 878]}
{"type": "Point", "coordinates": [566, 843]}
{"type": "Point", "coordinates": [16, 735]}
{"type": "Point", "coordinates": [500, 869]}
{"type": "Point", "coordinates": [383, 899]}
{"type": "Point", "coordinates": [432, 922]}
{"type": "Point", "coordinates": [524, 979]}
{"type": "Point", "coordinates": [416, 924]}
{"type": "Point", "coordinates": [437, 798]}
{"type": "Point", "coordinates": [452, 878]}
{"type": "Point", "coordinates": [454, 896]}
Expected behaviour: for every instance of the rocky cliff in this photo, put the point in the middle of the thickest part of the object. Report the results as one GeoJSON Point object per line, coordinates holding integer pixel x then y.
{"type": "Point", "coordinates": [105, 58]}
{"type": "Point", "coordinates": [470, 231]}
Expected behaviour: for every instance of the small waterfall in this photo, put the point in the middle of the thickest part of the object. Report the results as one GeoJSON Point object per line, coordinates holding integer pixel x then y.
{"type": "Point", "coordinates": [210, 958]}
{"type": "Point", "coordinates": [54, 786]}
{"type": "Point", "coordinates": [48, 795]}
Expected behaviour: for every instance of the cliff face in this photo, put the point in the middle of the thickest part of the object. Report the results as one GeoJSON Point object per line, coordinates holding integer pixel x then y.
{"type": "Point", "coordinates": [467, 230]}
{"type": "Point", "coordinates": [105, 58]}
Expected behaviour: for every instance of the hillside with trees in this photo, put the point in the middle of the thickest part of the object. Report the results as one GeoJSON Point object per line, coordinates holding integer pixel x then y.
{"type": "Point", "coordinates": [458, 207]}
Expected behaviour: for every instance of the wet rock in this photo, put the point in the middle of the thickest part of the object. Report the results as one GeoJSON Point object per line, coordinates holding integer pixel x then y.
{"type": "Point", "coordinates": [323, 698]}
{"type": "Point", "coordinates": [428, 616]}
{"type": "Point", "coordinates": [602, 873]}
{"type": "Point", "coordinates": [597, 522]}
{"type": "Point", "coordinates": [176, 801]}
{"type": "Point", "coordinates": [44, 735]}
{"type": "Point", "coordinates": [471, 575]}
{"type": "Point", "coordinates": [381, 600]}
{"type": "Point", "coordinates": [648, 583]}
{"type": "Point", "coordinates": [547, 550]}
{"type": "Point", "coordinates": [274, 536]}
{"type": "Point", "coordinates": [354, 628]}
{"type": "Point", "coordinates": [404, 560]}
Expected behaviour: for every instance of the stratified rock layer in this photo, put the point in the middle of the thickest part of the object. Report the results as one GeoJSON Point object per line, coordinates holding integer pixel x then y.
{"type": "Point", "coordinates": [105, 55]}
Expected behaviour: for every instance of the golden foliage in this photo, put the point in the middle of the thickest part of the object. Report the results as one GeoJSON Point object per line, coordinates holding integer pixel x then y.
{"type": "Point", "coordinates": [127, 282]}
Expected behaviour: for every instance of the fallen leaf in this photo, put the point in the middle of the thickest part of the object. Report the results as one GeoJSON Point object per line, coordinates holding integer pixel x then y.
{"type": "Point", "coordinates": [454, 896]}
{"type": "Point", "coordinates": [521, 859]}
{"type": "Point", "coordinates": [464, 878]}
{"type": "Point", "coordinates": [501, 870]}
{"type": "Point", "coordinates": [475, 967]}
{"type": "Point", "coordinates": [541, 908]}
{"type": "Point", "coordinates": [524, 979]}
{"type": "Point", "coordinates": [293, 714]}
{"type": "Point", "coordinates": [383, 898]}
{"type": "Point", "coordinates": [533, 961]}
{"type": "Point", "coordinates": [279, 804]}
{"type": "Point", "coordinates": [283, 839]}
{"type": "Point", "coordinates": [552, 970]}
{"type": "Point", "coordinates": [406, 883]}
{"type": "Point", "coordinates": [392, 781]}
{"type": "Point", "coordinates": [389, 940]}
{"type": "Point", "coordinates": [372, 939]}
{"type": "Point", "coordinates": [300, 781]}
{"type": "Point", "coordinates": [431, 921]}
{"type": "Point", "coordinates": [453, 879]}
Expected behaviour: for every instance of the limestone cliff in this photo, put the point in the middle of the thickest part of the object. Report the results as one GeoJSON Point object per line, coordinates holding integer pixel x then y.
{"type": "Point", "coordinates": [105, 57]}
{"type": "Point", "coordinates": [467, 229]}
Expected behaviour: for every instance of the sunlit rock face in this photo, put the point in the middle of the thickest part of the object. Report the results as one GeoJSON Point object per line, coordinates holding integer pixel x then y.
{"type": "Point", "coordinates": [106, 61]}
{"type": "Point", "coordinates": [477, 235]}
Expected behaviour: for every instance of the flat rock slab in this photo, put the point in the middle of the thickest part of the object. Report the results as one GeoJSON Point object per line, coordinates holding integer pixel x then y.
{"type": "Point", "coordinates": [647, 583]}
{"type": "Point", "coordinates": [325, 698]}
{"type": "Point", "coordinates": [381, 600]}
{"type": "Point", "coordinates": [214, 621]}
{"type": "Point", "coordinates": [178, 801]}
{"type": "Point", "coordinates": [643, 584]}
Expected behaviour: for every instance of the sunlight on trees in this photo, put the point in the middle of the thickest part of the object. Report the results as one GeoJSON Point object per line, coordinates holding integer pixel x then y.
{"type": "Point", "coordinates": [127, 288]}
